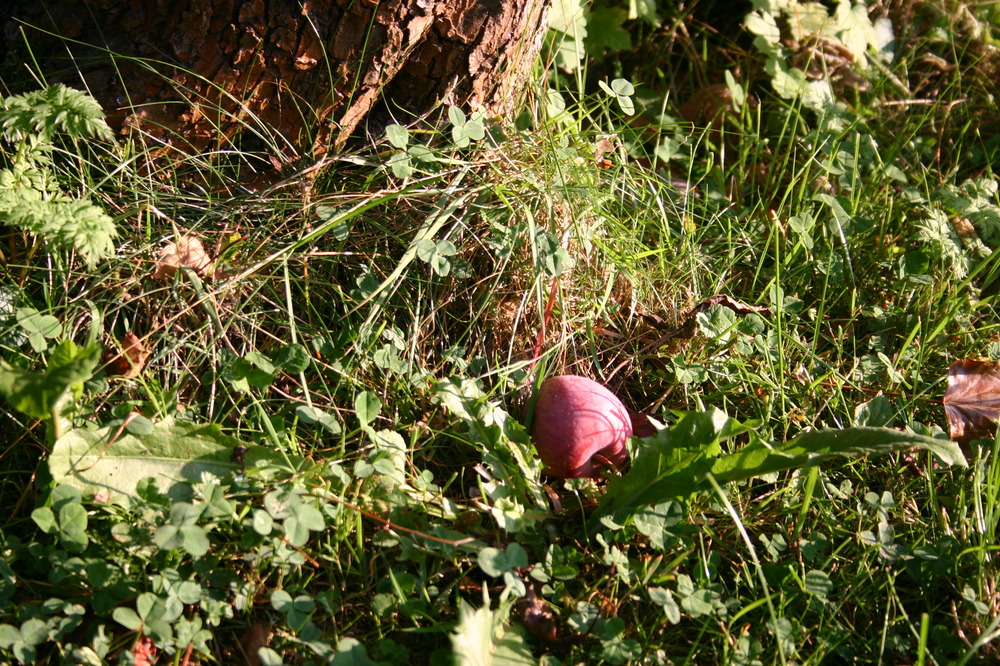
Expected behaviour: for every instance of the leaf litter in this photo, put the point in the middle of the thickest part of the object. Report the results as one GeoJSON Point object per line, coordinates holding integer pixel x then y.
{"type": "Point", "coordinates": [972, 401]}
{"type": "Point", "coordinates": [186, 252]}
{"type": "Point", "coordinates": [131, 361]}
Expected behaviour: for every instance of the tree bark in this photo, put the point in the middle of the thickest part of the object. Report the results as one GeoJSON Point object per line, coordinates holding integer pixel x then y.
{"type": "Point", "coordinates": [196, 73]}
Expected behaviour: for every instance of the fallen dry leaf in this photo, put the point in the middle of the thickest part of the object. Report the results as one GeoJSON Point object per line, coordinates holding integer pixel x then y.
{"type": "Point", "coordinates": [972, 401]}
{"type": "Point", "coordinates": [602, 151]}
{"type": "Point", "coordinates": [256, 636]}
{"type": "Point", "coordinates": [537, 616]}
{"type": "Point", "coordinates": [187, 252]}
{"type": "Point", "coordinates": [132, 359]}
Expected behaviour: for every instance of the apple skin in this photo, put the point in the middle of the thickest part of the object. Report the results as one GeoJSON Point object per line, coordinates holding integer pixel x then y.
{"type": "Point", "coordinates": [575, 420]}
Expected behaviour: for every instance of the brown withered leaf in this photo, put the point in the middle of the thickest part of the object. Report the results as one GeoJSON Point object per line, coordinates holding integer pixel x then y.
{"type": "Point", "coordinates": [537, 616]}
{"type": "Point", "coordinates": [972, 401]}
{"type": "Point", "coordinates": [188, 252]}
{"type": "Point", "coordinates": [132, 359]}
{"type": "Point", "coordinates": [256, 636]}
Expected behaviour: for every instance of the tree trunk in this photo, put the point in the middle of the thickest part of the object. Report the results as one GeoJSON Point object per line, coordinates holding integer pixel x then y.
{"type": "Point", "coordinates": [194, 73]}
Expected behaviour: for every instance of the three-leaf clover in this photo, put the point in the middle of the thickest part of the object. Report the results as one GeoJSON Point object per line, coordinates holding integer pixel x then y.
{"type": "Point", "coordinates": [39, 327]}
{"type": "Point", "coordinates": [465, 130]}
{"type": "Point", "coordinates": [622, 91]}
{"type": "Point", "coordinates": [436, 254]}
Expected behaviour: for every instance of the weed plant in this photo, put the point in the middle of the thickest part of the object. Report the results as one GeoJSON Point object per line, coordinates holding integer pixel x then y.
{"type": "Point", "coordinates": [333, 406]}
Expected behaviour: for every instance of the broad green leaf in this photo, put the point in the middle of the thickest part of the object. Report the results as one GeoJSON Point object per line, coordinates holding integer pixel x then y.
{"type": "Point", "coordinates": [398, 135]}
{"type": "Point", "coordinates": [39, 327]}
{"type": "Point", "coordinates": [263, 524]}
{"type": "Point", "coordinates": [436, 253]}
{"type": "Point", "coordinates": [45, 518]}
{"type": "Point", "coordinates": [475, 130]}
{"type": "Point", "coordinates": [185, 514]}
{"type": "Point", "coordinates": [495, 562]}
{"type": "Point", "coordinates": [313, 415]}
{"type": "Point", "coordinates": [456, 116]}
{"type": "Point", "coordinates": [292, 358]}
{"type": "Point", "coordinates": [503, 441]}
{"type": "Point", "coordinates": [644, 9]}
{"type": "Point", "coordinates": [618, 650]}
{"type": "Point", "coordinates": [818, 583]}
{"type": "Point", "coordinates": [555, 105]}
{"type": "Point", "coordinates": [422, 154]}
{"type": "Point", "coordinates": [261, 362]}
{"type": "Point", "coordinates": [351, 652]}
{"type": "Point", "coordinates": [340, 224]}
{"type": "Point", "coordinates": [665, 599]}
{"type": "Point", "coordinates": [268, 657]}
{"type": "Point", "coordinates": [736, 90]}
{"type": "Point", "coordinates": [700, 603]}
{"type": "Point", "coordinates": [73, 527]}
{"type": "Point", "coordinates": [570, 17]}
{"type": "Point", "coordinates": [426, 249]}
{"type": "Point", "coordinates": [605, 31]}
{"type": "Point", "coordinates": [553, 257]}
{"type": "Point", "coordinates": [675, 463]}
{"type": "Point", "coordinates": [194, 540]}
{"type": "Point", "coordinates": [139, 425]}
{"type": "Point", "coordinates": [570, 53]}
{"type": "Point", "coordinates": [367, 406]}
{"type": "Point", "coordinates": [814, 448]}
{"type": "Point", "coordinates": [807, 18]}
{"type": "Point", "coordinates": [9, 635]}
{"type": "Point", "coordinates": [145, 603]}
{"type": "Point", "coordinates": [36, 393]}
{"type": "Point", "coordinates": [480, 639]}
{"type": "Point", "coordinates": [281, 601]}
{"type": "Point", "coordinates": [127, 618]}
{"type": "Point", "coordinates": [182, 536]}
{"type": "Point", "coordinates": [401, 165]}
{"type": "Point", "coordinates": [168, 537]}
{"type": "Point", "coordinates": [622, 87]}
{"type": "Point", "coordinates": [717, 322]}
{"type": "Point", "coordinates": [877, 412]}
{"type": "Point", "coordinates": [626, 104]}
{"type": "Point", "coordinates": [764, 25]}
{"type": "Point", "coordinates": [279, 503]}
{"type": "Point", "coordinates": [788, 82]}
{"type": "Point", "coordinates": [34, 631]}
{"type": "Point", "coordinates": [110, 461]}
{"type": "Point", "coordinates": [309, 517]}
{"type": "Point", "coordinates": [855, 30]}
{"type": "Point", "coordinates": [672, 464]}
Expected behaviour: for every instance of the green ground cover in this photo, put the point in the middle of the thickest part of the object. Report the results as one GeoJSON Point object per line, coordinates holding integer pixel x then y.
{"type": "Point", "coordinates": [332, 390]}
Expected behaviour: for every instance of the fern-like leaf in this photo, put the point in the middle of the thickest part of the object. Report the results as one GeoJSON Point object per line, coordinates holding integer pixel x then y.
{"type": "Point", "coordinates": [50, 111]}
{"type": "Point", "coordinates": [67, 224]}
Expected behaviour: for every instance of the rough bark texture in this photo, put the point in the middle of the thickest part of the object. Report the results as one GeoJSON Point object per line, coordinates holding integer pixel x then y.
{"type": "Point", "coordinates": [316, 71]}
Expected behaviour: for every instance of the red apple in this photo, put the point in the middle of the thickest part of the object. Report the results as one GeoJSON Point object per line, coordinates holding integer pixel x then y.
{"type": "Point", "coordinates": [579, 427]}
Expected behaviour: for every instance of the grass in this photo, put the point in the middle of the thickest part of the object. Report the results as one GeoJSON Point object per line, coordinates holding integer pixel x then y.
{"type": "Point", "coordinates": [391, 509]}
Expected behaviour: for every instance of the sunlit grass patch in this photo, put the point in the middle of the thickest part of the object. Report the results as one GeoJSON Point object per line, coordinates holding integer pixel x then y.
{"type": "Point", "coordinates": [332, 390]}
